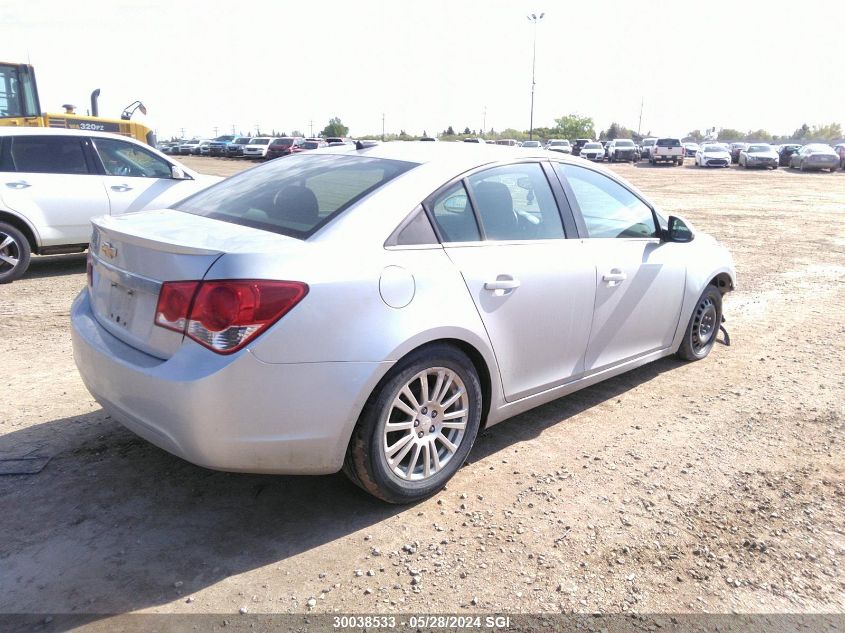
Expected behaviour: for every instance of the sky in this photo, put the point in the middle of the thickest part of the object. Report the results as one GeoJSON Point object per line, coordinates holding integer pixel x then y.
{"type": "Point", "coordinates": [206, 66]}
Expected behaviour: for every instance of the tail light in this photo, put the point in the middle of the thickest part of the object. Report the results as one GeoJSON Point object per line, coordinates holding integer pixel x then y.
{"type": "Point", "coordinates": [89, 269]}
{"type": "Point", "coordinates": [225, 315]}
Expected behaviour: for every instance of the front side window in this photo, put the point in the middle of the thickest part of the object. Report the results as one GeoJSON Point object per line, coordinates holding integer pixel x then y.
{"type": "Point", "coordinates": [125, 159]}
{"type": "Point", "coordinates": [609, 209]}
{"type": "Point", "coordinates": [48, 155]}
{"type": "Point", "coordinates": [515, 202]}
{"type": "Point", "coordinates": [296, 196]}
{"type": "Point", "coordinates": [453, 215]}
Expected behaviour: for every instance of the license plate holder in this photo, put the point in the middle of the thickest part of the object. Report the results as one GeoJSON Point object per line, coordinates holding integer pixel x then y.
{"type": "Point", "coordinates": [120, 306]}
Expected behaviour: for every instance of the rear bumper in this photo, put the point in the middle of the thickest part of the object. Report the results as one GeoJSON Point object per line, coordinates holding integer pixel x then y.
{"type": "Point", "coordinates": [232, 413]}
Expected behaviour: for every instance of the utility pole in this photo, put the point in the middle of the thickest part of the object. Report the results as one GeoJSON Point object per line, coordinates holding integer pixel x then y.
{"type": "Point", "coordinates": [640, 124]}
{"type": "Point", "coordinates": [484, 120]}
{"type": "Point", "coordinates": [312, 128]}
{"type": "Point", "coordinates": [182, 131]}
{"type": "Point", "coordinates": [535, 19]}
{"type": "Point", "coordinates": [382, 127]}
{"type": "Point", "coordinates": [215, 131]}
{"type": "Point", "coordinates": [233, 129]}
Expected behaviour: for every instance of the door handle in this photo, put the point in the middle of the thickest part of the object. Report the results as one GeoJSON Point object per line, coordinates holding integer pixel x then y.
{"type": "Point", "coordinates": [614, 276]}
{"type": "Point", "coordinates": [502, 282]}
{"type": "Point", "coordinates": [121, 188]}
{"type": "Point", "coordinates": [20, 184]}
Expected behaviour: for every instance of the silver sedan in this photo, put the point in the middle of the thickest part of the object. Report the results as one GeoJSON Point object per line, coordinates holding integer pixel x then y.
{"type": "Point", "coordinates": [371, 309]}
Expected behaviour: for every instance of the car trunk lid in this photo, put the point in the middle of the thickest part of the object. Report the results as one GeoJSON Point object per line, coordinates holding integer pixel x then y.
{"type": "Point", "coordinates": [132, 255]}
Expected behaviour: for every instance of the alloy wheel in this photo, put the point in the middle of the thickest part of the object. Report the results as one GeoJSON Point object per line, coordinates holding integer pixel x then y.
{"type": "Point", "coordinates": [425, 424]}
{"type": "Point", "coordinates": [10, 253]}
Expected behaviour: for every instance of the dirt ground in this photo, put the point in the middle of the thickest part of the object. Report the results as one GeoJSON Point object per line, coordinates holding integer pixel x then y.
{"type": "Point", "coordinates": [716, 486]}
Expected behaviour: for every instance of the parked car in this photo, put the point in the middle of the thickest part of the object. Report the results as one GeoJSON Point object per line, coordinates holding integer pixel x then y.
{"type": "Point", "coordinates": [758, 155]}
{"type": "Point", "coordinates": [815, 156]}
{"type": "Point", "coordinates": [203, 149]}
{"type": "Point", "coordinates": [474, 140]}
{"type": "Point", "coordinates": [309, 144]}
{"type": "Point", "coordinates": [713, 155]}
{"type": "Point", "coordinates": [647, 144]}
{"type": "Point", "coordinates": [257, 147]}
{"type": "Point", "coordinates": [284, 146]}
{"type": "Point", "coordinates": [579, 144]}
{"type": "Point", "coordinates": [188, 147]}
{"type": "Point", "coordinates": [236, 147]}
{"type": "Point", "coordinates": [593, 151]}
{"type": "Point", "coordinates": [667, 150]}
{"type": "Point", "coordinates": [786, 151]}
{"type": "Point", "coordinates": [840, 151]}
{"type": "Point", "coordinates": [56, 180]}
{"type": "Point", "coordinates": [736, 149]}
{"type": "Point", "coordinates": [690, 149]}
{"type": "Point", "coordinates": [561, 145]}
{"type": "Point", "coordinates": [429, 139]}
{"type": "Point", "coordinates": [509, 142]}
{"type": "Point", "coordinates": [622, 149]}
{"type": "Point", "coordinates": [531, 144]}
{"type": "Point", "coordinates": [220, 146]}
{"type": "Point", "coordinates": [240, 325]}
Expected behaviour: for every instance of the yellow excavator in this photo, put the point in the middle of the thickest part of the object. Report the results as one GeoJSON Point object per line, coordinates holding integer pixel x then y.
{"type": "Point", "coordinates": [20, 106]}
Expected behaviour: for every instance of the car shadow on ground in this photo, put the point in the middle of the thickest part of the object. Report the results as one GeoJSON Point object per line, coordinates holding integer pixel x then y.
{"type": "Point", "coordinates": [113, 524]}
{"type": "Point", "coordinates": [55, 265]}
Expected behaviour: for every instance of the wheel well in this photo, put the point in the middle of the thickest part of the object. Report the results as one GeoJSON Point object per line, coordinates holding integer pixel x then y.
{"type": "Point", "coordinates": [21, 226]}
{"type": "Point", "coordinates": [723, 282]}
{"type": "Point", "coordinates": [481, 369]}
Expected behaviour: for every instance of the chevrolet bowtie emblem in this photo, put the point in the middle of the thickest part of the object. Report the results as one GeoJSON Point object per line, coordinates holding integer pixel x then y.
{"type": "Point", "coordinates": [108, 250]}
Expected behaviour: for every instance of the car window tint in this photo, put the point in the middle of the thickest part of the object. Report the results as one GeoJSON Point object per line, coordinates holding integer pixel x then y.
{"type": "Point", "coordinates": [48, 154]}
{"type": "Point", "coordinates": [125, 159]}
{"type": "Point", "coordinates": [515, 202]}
{"type": "Point", "coordinates": [454, 217]}
{"type": "Point", "coordinates": [609, 209]}
{"type": "Point", "coordinates": [294, 196]}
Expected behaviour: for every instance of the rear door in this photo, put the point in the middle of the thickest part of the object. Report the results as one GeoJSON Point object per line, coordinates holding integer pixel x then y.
{"type": "Point", "coordinates": [135, 179]}
{"type": "Point", "coordinates": [640, 280]}
{"type": "Point", "coordinates": [50, 181]}
{"type": "Point", "coordinates": [533, 288]}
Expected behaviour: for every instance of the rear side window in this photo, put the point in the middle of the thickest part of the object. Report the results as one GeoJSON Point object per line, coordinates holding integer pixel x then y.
{"type": "Point", "coordinates": [48, 155]}
{"type": "Point", "coordinates": [296, 196]}
{"type": "Point", "coordinates": [515, 202]}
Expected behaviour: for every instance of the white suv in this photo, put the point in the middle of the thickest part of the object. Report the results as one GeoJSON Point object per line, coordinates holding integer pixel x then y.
{"type": "Point", "coordinates": [52, 182]}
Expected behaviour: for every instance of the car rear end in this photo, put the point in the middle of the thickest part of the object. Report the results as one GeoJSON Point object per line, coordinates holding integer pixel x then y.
{"type": "Point", "coordinates": [821, 157]}
{"type": "Point", "coordinates": [667, 150]}
{"type": "Point", "coordinates": [198, 329]}
{"type": "Point", "coordinates": [280, 147]}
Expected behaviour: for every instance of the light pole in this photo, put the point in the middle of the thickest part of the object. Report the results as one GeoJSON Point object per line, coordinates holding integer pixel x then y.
{"type": "Point", "coordinates": [533, 18]}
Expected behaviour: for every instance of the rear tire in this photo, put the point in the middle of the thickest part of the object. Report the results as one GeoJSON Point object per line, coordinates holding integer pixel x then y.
{"type": "Point", "coordinates": [703, 327]}
{"type": "Point", "coordinates": [14, 253]}
{"type": "Point", "coordinates": [439, 428]}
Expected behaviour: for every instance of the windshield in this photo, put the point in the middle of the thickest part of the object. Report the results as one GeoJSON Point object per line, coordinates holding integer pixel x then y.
{"type": "Point", "coordinates": [310, 145]}
{"type": "Point", "coordinates": [624, 143]}
{"type": "Point", "coordinates": [760, 148]}
{"type": "Point", "coordinates": [260, 141]}
{"type": "Point", "coordinates": [284, 142]}
{"type": "Point", "coordinates": [242, 140]}
{"type": "Point", "coordinates": [296, 196]}
{"type": "Point", "coordinates": [592, 146]}
{"type": "Point", "coordinates": [649, 142]}
{"type": "Point", "coordinates": [558, 142]}
{"type": "Point", "coordinates": [715, 148]}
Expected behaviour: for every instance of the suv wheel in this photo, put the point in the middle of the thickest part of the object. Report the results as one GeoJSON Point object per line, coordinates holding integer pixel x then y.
{"type": "Point", "coordinates": [14, 253]}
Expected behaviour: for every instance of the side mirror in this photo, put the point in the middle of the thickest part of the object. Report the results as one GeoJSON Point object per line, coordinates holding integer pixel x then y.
{"type": "Point", "coordinates": [176, 173]}
{"type": "Point", "coordinates": [677, 231]}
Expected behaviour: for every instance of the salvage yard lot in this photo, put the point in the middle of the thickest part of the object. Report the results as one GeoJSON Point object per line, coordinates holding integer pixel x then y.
{"type": "Point", "coordinates": [715, 486]}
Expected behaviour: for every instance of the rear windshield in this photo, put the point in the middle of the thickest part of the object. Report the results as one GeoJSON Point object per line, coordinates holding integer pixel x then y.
{"type": "Point", "coordinates": [668, 142]}
{"type": "Point", "coordinates": [648, 142]}
{"type": "Point", "coordinates": [310, 145]}
{"type": "Point", "coordinates": [296, 196]}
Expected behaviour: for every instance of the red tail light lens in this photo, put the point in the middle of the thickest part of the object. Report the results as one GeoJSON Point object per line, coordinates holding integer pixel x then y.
{"type": "Point", "coordinates": [225, 315]}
